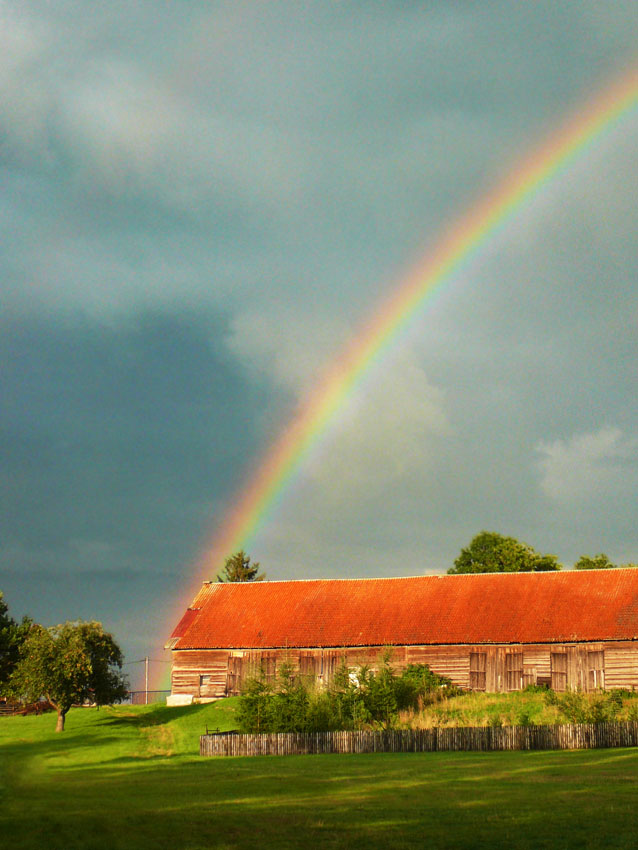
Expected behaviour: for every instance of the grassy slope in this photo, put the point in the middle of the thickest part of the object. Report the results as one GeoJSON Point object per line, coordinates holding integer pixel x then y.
{"type": "Point", "coordinates": [507, 709]}
{"type": "Point", "coordinates": [130, 778]}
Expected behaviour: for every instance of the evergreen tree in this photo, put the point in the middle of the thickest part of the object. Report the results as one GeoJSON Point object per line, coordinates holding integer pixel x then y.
{"type": "Point", "coordinates": [239, 568]}
{"type": "Point", "coordinates": [12, 635]}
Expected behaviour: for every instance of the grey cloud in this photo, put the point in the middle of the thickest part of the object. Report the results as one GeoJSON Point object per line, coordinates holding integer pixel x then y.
{"type": "Point", "coordinates": [203, 202]}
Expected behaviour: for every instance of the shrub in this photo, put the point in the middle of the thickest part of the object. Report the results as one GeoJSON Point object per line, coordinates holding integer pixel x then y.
{"type": "Point", "coordinates": [551, 697]}
{"type": "Point", "coordinates": [524, 718]}
{"type": "Point", "coordinates": [578, 707]}
{"type": "Point", "coordinates": [254, 713]}
{"type": "Point", "coordinates": [536, 689]}
{"type": "Point", "coordinates": [353, 700]}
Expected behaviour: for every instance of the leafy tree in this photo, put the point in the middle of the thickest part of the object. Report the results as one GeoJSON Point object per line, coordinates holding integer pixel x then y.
{"type": "Point", "coordinates": [239, 568]}
{"type": "Point", "coordinates": [12, 635]}
{"type": "Point", "coordinates": [69, 664]}
{"type": "Point", "coordinates": [598, 562]}
{"type": "Point", "coordinates": [490, 552]}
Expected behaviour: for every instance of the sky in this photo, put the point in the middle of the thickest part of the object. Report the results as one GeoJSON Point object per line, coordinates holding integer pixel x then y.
{"type": "Point", "coordinates": [202, 202]}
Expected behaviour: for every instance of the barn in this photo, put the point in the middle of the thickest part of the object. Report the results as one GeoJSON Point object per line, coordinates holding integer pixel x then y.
{"type": "Point", "coordinates": [487, 632]}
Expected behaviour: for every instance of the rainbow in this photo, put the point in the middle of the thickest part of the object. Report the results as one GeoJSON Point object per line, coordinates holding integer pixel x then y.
{"type": "Point", "coordinates": [457, 248]}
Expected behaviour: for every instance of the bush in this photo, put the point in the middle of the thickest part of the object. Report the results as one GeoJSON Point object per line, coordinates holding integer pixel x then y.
{"type": "Point", "coordinates": [283, 708]}
{"type": "Point", "coordinates": [578, 707]}
{"type": "Point", "coordinates": [551, 697]}
{"type": "Point", "coordinates": [352, 701]}
{"type": "Point", "coordinates": [536, 689]}
{"type": "Point", "coordinates": [524, 718]}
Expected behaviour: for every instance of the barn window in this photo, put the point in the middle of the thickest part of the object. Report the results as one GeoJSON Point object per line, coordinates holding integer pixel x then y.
{"type": "Point", "coordinates": [596, 666]}
{"type": "Point", "coordinates": [558, 668]}
{"type": "Point", "coordinates": [204, 683]}
{"type": "Point", "coordinates": [478, 668]}
{"type": "Point", "coordinates": [514, 671]}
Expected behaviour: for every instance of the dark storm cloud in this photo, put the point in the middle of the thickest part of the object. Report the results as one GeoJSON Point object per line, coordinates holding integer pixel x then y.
{"type": "Point", "coordinates": [119, 445]}
{"type": "Point", "coordinates": [200, 204]}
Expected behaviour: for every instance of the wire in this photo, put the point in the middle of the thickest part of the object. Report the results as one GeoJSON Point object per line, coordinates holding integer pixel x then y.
{"type": "Point", "coordinates": [143, 660]}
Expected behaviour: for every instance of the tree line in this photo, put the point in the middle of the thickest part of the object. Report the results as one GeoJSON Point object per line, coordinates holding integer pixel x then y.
{"type": "Point", "coordinates": [487, 552]}
{"type": "Point", "coordinates": [490, 552]}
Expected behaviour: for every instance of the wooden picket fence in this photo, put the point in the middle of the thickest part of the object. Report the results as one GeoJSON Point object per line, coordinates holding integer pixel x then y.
{"type": "Point", "coordinates": [474, 739]}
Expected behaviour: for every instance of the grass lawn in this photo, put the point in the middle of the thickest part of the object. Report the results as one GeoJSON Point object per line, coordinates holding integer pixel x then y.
{"type": "Point", "coordinates": [129, 777]}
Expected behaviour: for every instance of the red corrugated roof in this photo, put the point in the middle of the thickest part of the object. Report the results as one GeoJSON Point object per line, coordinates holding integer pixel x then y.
{"type": "Point", "coordinates": [486, 608]}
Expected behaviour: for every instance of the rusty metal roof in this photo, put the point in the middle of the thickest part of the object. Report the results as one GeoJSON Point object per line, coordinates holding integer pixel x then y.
{"type": "Point", "coordinates": [486, 608]}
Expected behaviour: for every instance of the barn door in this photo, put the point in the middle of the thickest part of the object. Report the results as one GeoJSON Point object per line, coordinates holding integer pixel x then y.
{"type": "Point", "coordinates": [558, 669]}
{"type": "Point", "coordinates": [307, 667]}
{"type": "Point", "coordinates": [330, 662]}
{"type": "Point", "coordinates": [596, 670]}
{"type": "Point", "coordinates": [233, 675]}
{"type": "Point", "coordinates": [478, 669]}
{"type": "Point", "coordinates": [514, 671]}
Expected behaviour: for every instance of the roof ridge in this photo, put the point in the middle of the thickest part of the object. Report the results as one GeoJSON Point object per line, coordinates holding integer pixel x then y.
{"type": "Point", "coordinates": [422, 575]}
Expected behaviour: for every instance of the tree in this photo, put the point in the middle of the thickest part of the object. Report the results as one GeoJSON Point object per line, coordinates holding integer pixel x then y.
{"type": "Point", "coordinates": [12, 635]}
{"type": "Point", "coordinates": [69, 664]}
{"type": "Point", "coordinates": [239, 568]}
{"type": "Point", "coordinates": [598, 562]}
{"type": "Point", "coordinates": [490, 552]}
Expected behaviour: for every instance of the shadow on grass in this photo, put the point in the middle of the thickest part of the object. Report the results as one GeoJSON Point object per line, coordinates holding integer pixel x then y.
{"type": "Point", "coordinates": [368, 801]}
{"type": "Point", "coordinates": [156, 716]}
{"type": "Point", "coordinates": [25, 750]}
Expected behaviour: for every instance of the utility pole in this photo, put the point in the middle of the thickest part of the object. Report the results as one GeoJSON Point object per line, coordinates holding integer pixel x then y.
{"type": "Point", "coordinates": [146, 680]}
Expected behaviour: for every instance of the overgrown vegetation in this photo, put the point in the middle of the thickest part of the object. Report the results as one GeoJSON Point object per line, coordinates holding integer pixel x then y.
{"type": "Point", "coordinates": [413, 697]}
{"type": "Point", "coordinates": [533, 706]}
{"type": "Point", "coordinates": [354, 699]}
{"type": "Point", "coordinates": [601, 707]}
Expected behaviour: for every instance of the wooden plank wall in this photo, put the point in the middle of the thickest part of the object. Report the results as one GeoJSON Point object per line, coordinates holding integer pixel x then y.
{"type": "Point", "coordinates": [621, 666]}
{"type": "Point", "coordinates": [215, 673]}
{"type": "Point", "coordinates": [190, 665]}
{"type": "Point", "coordinates": [480, 738]}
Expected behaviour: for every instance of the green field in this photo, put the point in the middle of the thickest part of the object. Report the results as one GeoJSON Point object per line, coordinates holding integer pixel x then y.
{"type": "Point", "coordinates": [131, 778]}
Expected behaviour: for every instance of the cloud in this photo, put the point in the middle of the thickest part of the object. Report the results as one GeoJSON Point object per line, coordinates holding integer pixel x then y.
{"type": "Point", "coordinates": [385, 438]}
{"type": "Point", "coordinates": [383, 432]}
{"type": "Point", "coordinates": [286, 343]}
{"type": "Point", "coordinates": [202, 202]}
{"type": "Point", "coordinates": [594, 466]}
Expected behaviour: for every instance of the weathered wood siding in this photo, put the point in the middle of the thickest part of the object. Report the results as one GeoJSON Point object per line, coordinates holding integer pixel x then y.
{"type": "Point", "coordinates": [621, 665]}
{"type": "Point", "coordinates": [201, 672]}
{"type": "Point", "coordinates": [478, 738]}
{"type": "Point", "coordinates": [213, 673]}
